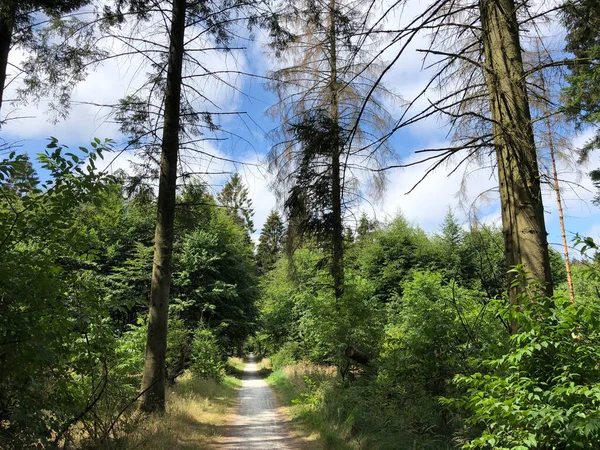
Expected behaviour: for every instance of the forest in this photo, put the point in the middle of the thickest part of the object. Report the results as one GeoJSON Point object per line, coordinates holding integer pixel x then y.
{"type": "Point", "coordinates": [130, 293]}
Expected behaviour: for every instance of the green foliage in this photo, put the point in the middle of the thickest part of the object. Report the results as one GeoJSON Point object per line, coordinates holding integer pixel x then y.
{"type": "Point", "coordinates": [56, 348]}
{"type": "Point", "coordinates": [414, 306]}
{"type": "Point", "coordinates": [206, 355]}
{"type": "Point", "coordinates": [270, 243]}
{"type": "Point", "coordinates": [287, 355]}
{"type": "Point", "coordinates": [214, 276]}
{"type": "Point", "coordinates": [234, 197]}
{"type": "Point", "coordinates": [543, 392]}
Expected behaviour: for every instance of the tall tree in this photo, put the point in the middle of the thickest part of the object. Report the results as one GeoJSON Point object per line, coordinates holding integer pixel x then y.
{"type": "Point", "coordinates": [169, 113]}
{"type": "Point", "coordinates": [153, 381]}
{"type": "Point", "coordinates": [523, 222]}
{"type": "Point", "coordinates": [483, 93]}
{"type": "Point", "coordinates": [551, 127]}
{"type": "Point", "coordinates": [319, 94]}
{"type": "Point", "coordinates": [270, 243]}
{"type": "Point", "coordinates": [234, 196]}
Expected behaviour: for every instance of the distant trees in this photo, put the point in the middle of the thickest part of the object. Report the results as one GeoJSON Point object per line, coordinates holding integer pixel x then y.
{"type": "Point", "coordinates": [234, 197]}
{"type": "Point", "coordinates": [270, 243]}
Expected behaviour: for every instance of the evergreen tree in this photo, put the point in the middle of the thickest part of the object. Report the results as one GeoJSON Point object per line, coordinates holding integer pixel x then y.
{"type": "Point", "coordinates": [324, 126]}
{"type": "Point", "coordinates": [270, 243]}
{"type": "Point", "coordinates": [234, 197]}
{"type": "Point", "coordinates": [62, 61]}
{"type": "Point", "coordinates": [582, 21]}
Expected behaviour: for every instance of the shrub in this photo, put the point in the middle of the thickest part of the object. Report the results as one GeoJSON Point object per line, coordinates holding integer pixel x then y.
{"type": "Point", "coordinates": [206, 355]}
{"type": "Point", "coordinates": [544, 392]}
{"type": "Point", "coordinates": [287, 355]}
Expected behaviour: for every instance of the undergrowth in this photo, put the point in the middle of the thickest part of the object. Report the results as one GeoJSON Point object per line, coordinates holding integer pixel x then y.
{"type": "Point", "coordinates": [347, 415]}
{"type": "Point", "coordinates": [196, 410]}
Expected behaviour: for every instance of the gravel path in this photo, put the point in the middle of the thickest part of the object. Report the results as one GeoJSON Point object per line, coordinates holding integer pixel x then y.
{"type": "Point", "coordinates": [257, 424]}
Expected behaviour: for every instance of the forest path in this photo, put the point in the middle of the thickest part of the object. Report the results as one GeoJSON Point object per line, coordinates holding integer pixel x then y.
{"type": "Point", "coordinates": [257, 424]}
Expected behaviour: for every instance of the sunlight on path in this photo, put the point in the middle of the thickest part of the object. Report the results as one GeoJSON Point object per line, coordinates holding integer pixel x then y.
{"type": "Point", "coordinates": [257, 425]}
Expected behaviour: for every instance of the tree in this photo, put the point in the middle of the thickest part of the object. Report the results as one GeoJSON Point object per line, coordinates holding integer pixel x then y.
{"type": "Point", "coordinates": [483, 86]}
{"type": "Point", "coordinates": [153, 381]}
{"type": "Point", "coordinates": [169, 112]}
{"type": "Point", "coordinates": [63, 62]}
{"type": "Point", "coordinates": [270, 243]}
{"type": "Point", "coordinates": [549, 140]}
{"type": "Point", "coordinates": [581, 18]}
{"type": "Point", "coordinates": [234, 197]}
{"type": "Point", "coordinates": [319, 93]}
{"type": "Point", "coordinates": [54, 338]}
{"type": "Point", "coordinates": [524, 229]}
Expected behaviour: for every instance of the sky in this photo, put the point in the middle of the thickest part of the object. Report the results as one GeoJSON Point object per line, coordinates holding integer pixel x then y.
{"type": "Point", "coordinates": [248, 140]}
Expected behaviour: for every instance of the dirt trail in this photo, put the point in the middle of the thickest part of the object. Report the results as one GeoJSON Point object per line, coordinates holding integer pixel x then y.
{"type": "Point", "coordinates": [257, 424]}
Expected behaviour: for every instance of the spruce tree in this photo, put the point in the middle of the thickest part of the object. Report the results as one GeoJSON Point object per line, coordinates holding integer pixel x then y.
{"type": "Point", "coordinates": [270, 243]}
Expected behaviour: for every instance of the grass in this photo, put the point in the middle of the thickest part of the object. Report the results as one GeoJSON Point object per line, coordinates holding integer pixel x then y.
{"type": "Point", "coordinates": [265, 368]}
{"type": "Point", "coordinates": [297, 389]}
{"type": "Point", "coordinates": [198, 411]}
{"type": "Point", "coordinates": [234, 366]}
{"type": "Point", "coordinates": [350, 415]}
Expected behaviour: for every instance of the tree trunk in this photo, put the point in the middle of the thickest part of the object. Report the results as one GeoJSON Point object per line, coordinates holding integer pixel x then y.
{"type": "Point", "coordinates": [523, 224]}
{"type": "Point", "coordinates": [153, 381]}
{"type": "Point", "coordinates": [7, 22]}
{"type": "Point", "coordinates": [561, 217]}
{"type": "Point", "coordinates": [337, 265]}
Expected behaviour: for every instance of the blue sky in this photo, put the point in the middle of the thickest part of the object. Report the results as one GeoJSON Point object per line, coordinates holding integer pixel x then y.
{"type": "Point", "coordinates": [425, 206]}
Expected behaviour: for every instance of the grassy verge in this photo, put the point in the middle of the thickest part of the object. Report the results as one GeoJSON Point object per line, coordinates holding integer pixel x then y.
{"type": "Point", "coordinates": [234, 366]}
{"type": "Point", "coordinates": [299, 390]}
{"type": "Point", "coordinates": [353, 415]}
{"type": "Point", "coordinates": [265, 368]}
{"type": "Point", "coordinates": [197, 412]}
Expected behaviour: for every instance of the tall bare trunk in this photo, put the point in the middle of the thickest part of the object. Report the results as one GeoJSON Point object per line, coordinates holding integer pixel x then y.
{"type": "Point", "coordinates": [337, 267]}
{"type": "Point", "coordinates": [561, 217]}
{"type": "Point", "coordinates": [523, 224]}
{"type": "Point", "coordinates": [556, 187]}
{"type": "Point", "coordinates": [7, 23]}
{"type": "Point", "coordinates": [153, 381]}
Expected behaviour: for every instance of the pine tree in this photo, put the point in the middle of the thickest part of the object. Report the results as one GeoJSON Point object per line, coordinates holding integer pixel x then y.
{"type": "Point", "coordinates": [65, 62]}
{"type": "Point", "coordinates": [235, 198]}
{"type": "Point", "coordinates": [270, 243]}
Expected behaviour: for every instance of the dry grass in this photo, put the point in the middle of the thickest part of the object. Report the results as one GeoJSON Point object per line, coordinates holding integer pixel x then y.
{"type": "Point", "coordinates": [290, 385]}
{"type": "Point", "coordinates": [197, 412]}
{"type": "Point", "coordinates": [235, 366]}
{"type": "Point", "coordinates": [265, 364]}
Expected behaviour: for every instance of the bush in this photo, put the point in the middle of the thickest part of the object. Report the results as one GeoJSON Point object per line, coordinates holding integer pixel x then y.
{"type": "Point", "coordinates": [206, 355]}
{"type": "Point", "coordinates": [287, 355]}
{"type": "Point", "coordinates": [544, 392]}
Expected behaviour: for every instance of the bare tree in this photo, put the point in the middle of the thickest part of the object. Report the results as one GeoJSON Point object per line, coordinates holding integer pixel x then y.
{"type": "Point", "coordinates": [478, 66]}
{"type": "Point", "coordinates": [325, 73]}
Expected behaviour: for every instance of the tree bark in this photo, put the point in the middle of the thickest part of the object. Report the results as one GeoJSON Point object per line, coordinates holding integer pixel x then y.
{"type": "Point", "coordinates": [523, 224]}
{"type": "Point", "coordinates": [337, 265]}
{"type": "Point", "coordinates": [153, 381]}
{"type": "Point", "coordinates": [7, 23]}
